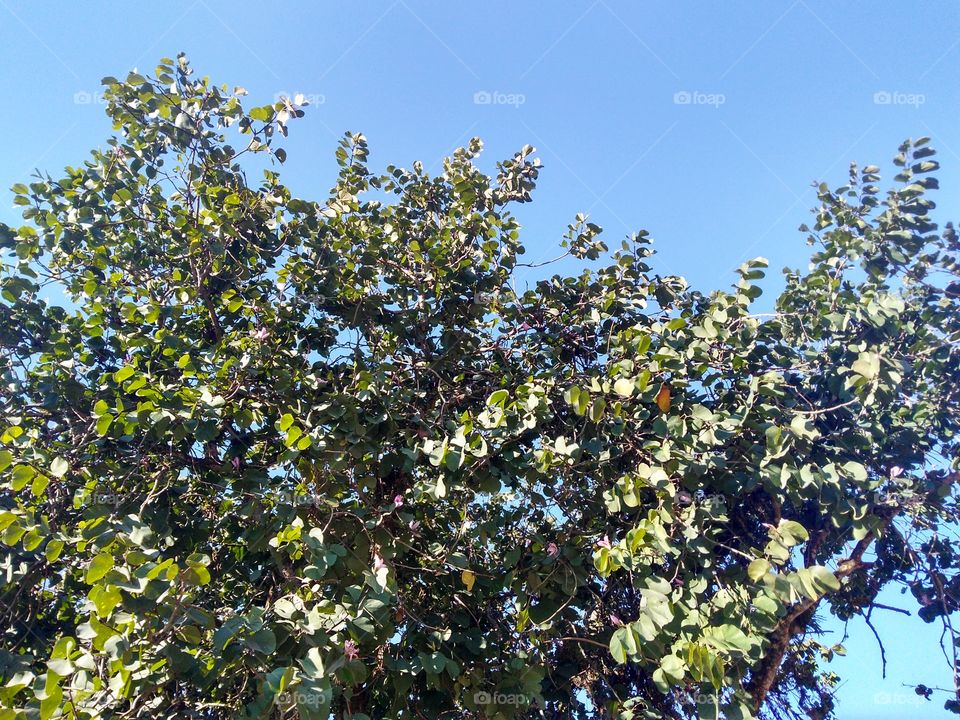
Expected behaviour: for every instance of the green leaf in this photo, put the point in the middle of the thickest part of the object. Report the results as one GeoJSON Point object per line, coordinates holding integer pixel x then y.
{"type": "Point", "coordinates": [21, 475]}
{"type": "Point", "coordinates": [59, 467]}
{"type": "Point", "coordinates": [196, 575]}
{"type": "Point", "coordinates": [263, 641]}
{"type": "Point", "coordinates": [792, 533]}
{"type": "Point", "coordinates": [867, 365]}
{"type": "Point", "coordinates": [105, 599]}
{"type": "Point", "coordinates": [824, 580]}
{"type": "Point", "coordinates": [498, 398]}
{"type": "Point", "coordinates": [597, 408]}
{"type": "Point", "coordinates": [624, 644]}
{"type": "Point", "coordinates": [103, 424]}
{"type": "Point", "coordinates": [264, 113]}
{"type": "Point", "coordinates": [728, 638]}
{"type": "Point", "coordinates": [673, 668]}
{"type": "Point", "coordinates": [435, 662]}
{"type": "Point", "coordinates": [758, 569]}
{"type": "Point", "coordinates": [61, 667]}
{"type": "Point", "coordinates": [123, 373]}
{"type": "Point", "coordinates": [101, 564]}
{"type": "Point", "coordinates": [623, 387]}
{"type": "Point", "coordinates": [312, 664]}
{"type": "Point", "coordinates": [855, 470]}
{"type": "Point", "coordinates": [53, 549]}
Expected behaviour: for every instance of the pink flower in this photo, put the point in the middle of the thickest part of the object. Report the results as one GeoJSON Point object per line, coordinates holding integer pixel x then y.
{"type": "Point", "coordinates": [552, 549]}
{"type": "Point", "coordinates": [414, 525]}
{"type": "Point", "coordinates": [605, 543]}
{"type": "Point", "coordinates": [398, 500]}
{"type": "Point", "coordinates": [235, 462]}
{"type": "Point", "coordinates": [350, 650]}
{"type": "Point", "coordinates": [617, 622]}
{"type": "Point", "coordinates": [261, 333]}
{"type": "Point", "coordinates": [895, 472]}
{"type": "Point", "coordinates": [378, 563]}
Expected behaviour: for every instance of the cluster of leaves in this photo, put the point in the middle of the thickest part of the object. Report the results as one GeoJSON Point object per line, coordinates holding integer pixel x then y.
{"type": "Point", "coordinates": [271, 457]}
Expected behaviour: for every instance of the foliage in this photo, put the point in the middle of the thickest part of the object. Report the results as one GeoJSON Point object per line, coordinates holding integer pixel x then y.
{"type": "Point", "coordinates": [270, 457]}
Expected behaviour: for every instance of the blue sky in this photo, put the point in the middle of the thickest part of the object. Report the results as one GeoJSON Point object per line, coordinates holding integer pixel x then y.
{"type": "Point", "coordinates": [704, 124]}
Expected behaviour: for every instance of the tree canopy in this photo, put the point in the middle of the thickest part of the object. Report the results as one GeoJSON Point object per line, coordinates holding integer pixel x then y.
{"type": "Point", "coordinates": [264, 456]}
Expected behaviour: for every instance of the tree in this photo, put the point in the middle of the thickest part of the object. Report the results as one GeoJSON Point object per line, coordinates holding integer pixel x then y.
{"type": "Point", "coordinates": [270, 457]}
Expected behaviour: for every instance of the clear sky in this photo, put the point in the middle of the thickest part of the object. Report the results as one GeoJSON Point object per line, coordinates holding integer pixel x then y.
{"type": "Point", "coordinates": [702, 123]}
